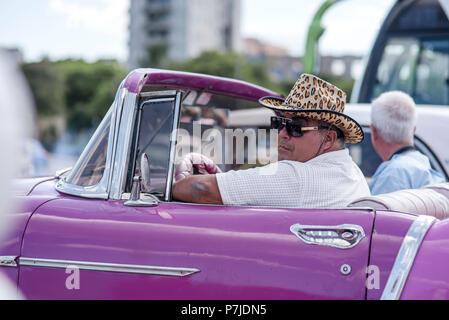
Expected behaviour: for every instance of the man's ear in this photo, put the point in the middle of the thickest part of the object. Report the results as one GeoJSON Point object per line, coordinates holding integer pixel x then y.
{"type": "Point", "coordinates": [331, 139]}
{"type": "Point", "coordinates": [374, 134]}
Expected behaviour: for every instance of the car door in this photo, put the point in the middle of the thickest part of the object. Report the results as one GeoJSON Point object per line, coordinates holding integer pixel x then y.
{"type": "Point", "coordinates": [94, 249]}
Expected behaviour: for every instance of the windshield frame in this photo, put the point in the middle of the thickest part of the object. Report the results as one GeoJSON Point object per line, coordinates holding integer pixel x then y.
{"type": "Point", "coordinates": [99, 190]}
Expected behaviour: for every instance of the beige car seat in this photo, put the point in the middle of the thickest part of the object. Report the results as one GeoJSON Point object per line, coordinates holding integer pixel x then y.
{"type": "Point", "coordinates": [431, 200]}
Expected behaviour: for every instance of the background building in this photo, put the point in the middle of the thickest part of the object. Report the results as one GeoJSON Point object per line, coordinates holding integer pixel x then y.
{"type": "Point", "coordinates": [282, 66]}
{"type": "Point", "coordinates": [181, 29]}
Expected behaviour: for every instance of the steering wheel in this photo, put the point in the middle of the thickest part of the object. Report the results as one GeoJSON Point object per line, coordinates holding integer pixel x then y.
{"type": "Point", "coordinates": [195, 163]}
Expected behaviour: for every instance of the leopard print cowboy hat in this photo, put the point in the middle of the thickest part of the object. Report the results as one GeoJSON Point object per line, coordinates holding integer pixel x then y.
{"type": "Point", "coordinates": [314, 98]}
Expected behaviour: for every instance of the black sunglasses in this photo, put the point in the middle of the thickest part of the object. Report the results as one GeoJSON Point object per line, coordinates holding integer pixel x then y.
{"type": "Point", "coordinates": [294, 128]}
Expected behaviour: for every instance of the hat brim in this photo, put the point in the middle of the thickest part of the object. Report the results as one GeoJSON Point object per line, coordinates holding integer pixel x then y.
{"type": "Point", "coordinates": [352, 131]}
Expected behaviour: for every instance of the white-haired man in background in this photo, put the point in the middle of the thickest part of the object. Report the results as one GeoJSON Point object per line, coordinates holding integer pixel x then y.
{"type": "Point", "coordinates": [393, 124]}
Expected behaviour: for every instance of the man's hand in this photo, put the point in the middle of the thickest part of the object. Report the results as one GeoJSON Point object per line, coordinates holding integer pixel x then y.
{"type": "Point", "coordinates": [197, 189]}
{"type": "Point", "coordinates": [195, 160]}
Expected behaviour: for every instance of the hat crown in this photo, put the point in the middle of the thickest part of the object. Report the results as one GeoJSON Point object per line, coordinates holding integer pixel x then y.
{"type": "Point", "coordinates": [313, 93]}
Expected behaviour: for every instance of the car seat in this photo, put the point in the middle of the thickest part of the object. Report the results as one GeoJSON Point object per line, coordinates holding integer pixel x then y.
{"type": "Point", "coordinates": [431, 200]}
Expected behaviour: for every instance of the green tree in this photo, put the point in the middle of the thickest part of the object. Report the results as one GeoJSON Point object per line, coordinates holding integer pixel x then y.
{"type": "Point", "coordinates": [341, 82]}
{"type": "Point", "coordinates": [227, 64]}
{"type": "Point", "coordinates": [90, 90]}
{"type": "Point", "coordinates": [79, 91]}
{"type": "Point", "coordinates": [156, 56]}
{"type": "Point", "coordinates": [47, 85]}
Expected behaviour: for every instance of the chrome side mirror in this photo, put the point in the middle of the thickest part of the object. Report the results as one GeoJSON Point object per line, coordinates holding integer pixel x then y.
{"type": "Point", "coordinates": [145, 173]}
{"type": "Point", "coordinates": [142, 183]}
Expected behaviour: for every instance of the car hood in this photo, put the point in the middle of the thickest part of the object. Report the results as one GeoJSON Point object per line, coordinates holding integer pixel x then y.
{"type": "Point", "coordinates": [23, 187]}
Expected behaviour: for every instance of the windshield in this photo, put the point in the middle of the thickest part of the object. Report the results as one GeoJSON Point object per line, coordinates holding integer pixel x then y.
{"type": "Point", "coordinates": [90, 167]}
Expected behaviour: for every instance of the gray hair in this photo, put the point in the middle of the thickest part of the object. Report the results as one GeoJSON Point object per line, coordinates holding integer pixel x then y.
{"type": "Point", "coordinates": [393, 114]}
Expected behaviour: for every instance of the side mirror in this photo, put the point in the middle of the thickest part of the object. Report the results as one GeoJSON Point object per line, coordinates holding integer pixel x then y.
{"type": "Point", "coordinates": [142, 183]}
{"type": "Point", "coordinates": [145, 173]}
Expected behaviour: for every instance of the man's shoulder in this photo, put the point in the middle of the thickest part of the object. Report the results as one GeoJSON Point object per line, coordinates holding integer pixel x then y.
{"type": "Point", "coordinates": [403, 167]}
{"type": "Point", "coordinates": [409, 161]}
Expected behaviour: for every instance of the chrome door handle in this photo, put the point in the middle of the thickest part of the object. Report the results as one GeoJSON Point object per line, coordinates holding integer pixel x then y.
{"type": "Point", "coordinates": [343, 236]}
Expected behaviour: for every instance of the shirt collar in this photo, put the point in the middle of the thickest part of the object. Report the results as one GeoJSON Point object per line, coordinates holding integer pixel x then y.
{"type": "Point", "coordinates": [402, 150]}
{"type": "Point", "coordinates": [343, 153]}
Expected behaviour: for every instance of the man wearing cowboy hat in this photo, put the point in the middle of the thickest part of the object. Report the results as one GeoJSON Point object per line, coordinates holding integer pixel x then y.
{"type": "Point", "coordinates": [314, 169]}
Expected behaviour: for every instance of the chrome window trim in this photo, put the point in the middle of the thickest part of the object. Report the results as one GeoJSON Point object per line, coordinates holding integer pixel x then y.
{"type": "Point", "coordinates": [123, 143]}
{"type": "Point", "coordinates": [406, 257]}
{"type": "Point", "coordinates": [155, 97]}
{"type": "Point", "coordinates": [100, 190]}
{"type": "Point", "coordinates": [108, 267]}
{"type": "Point", "coordinates": [147, 94]}
{"type": "Point", "coordinates": [96, 191]}
{"type": "Point", "coordinates": [157, 100]}
{"type": "Point", "coordinates": [173, 139]}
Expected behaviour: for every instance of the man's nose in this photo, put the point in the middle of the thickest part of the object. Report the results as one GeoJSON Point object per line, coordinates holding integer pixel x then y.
{"type": "Point", "coordinates": [283, 133]}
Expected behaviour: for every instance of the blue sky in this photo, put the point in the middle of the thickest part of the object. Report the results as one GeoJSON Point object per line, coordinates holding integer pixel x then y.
{"type": "Point", "coordinates": [93, 29]}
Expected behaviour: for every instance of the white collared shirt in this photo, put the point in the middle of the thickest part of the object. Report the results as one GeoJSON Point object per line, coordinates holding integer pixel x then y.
{"type": "Point", "coordinates": [331, 180]}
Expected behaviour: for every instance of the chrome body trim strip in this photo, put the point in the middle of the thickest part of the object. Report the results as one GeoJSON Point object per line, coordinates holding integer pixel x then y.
{"type": "Point", "coordinates": [8, 261]}
{"type": "Point", "coordinates": [173, 138]}
{"type": "Point", "coordinates": [406, 257]}
{"type": "Point", "coordinates": [108, 267]}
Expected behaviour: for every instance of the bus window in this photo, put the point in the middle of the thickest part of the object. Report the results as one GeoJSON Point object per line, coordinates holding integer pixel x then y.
{"type": "Point", "coordinates": [432, 73]}
{"type": "Point", "coordinates": [420, 69]}
{"type": "Point", "coordinates": [411, 54]}
{"type": "Point", "coordinates": [396, 69]}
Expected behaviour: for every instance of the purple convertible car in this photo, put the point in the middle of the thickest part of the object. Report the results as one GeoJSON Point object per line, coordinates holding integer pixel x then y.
{"type": "Point", "coordinates": [109, 229]}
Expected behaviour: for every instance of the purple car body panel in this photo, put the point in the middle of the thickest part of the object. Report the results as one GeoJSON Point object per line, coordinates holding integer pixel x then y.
{"type": "Point", "coordinates": [12, 240]}
{"type": "Point", "coordinates": [241, 252]}
{"type": "Point", "coordinates": [23, 187]}
{"type": "Point", "coordinates": [429, 276]}
{"type": "Point", "coordinates": [139, 78]}
{"type": "Point", "coordinates": [390, 229]}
